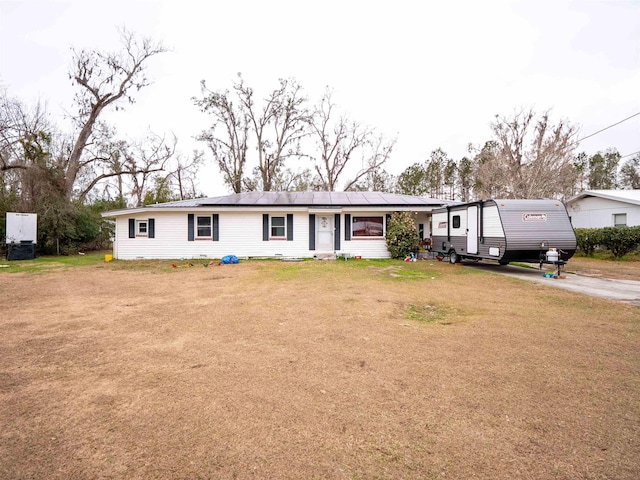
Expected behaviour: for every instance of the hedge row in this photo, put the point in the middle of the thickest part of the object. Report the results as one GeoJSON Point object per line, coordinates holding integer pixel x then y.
{"type": "Point", "coordinates": [618, 240]}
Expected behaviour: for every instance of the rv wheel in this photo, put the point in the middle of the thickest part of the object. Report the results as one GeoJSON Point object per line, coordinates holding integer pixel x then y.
{"type": "Point", "coordinates": [454, 257]}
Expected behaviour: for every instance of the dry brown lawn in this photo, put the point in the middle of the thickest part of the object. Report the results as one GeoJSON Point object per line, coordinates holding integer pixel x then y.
{"type": "Point", "coordinates": [607, 269]}
{"type": "Point", "coordinates": [355, 370]}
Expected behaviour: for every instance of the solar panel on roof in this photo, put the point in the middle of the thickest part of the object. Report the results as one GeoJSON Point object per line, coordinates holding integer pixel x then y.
{"type": "Point", "coordinates": [329, 199]}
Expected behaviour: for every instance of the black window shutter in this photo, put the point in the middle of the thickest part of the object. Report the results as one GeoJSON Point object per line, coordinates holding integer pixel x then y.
{"type": "Point", "coordinates": [336, 237]}
{"type": "Point", "coordinates": [265, 227]}
{"type": "Point", "coordinates": [312, 231]}
{"type": "Point", "coordinates": [215, 227]}
{"type": "Point", "coordinates": [190, 228]}
{"type": "Point", "coordinates": [386, 226]}
{"type": "Point", "coordinates": [132, 228]}
{"type": "Point", "coordinates": [289, 227]}
{"type": "Point", "coordinates": [152, 228]}
{"type": "Point", "coordinates": [347, 226]}
{"type": "Point", "coordinates": [421, 230]}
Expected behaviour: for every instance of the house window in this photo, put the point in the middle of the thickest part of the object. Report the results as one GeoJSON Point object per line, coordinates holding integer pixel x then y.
{"type": "Point", "coordinates": [367, 227]}
{"type": "Point", "coordinates": [619, 219]}
{"type": "Point", "coordinates": [278, 227]}
{"type": "Point", "coordinates": [203, 227]}
{"type": "Point", "coordinates": [142, 228]}
{"type": "Point", "coordinates": [456, 221]}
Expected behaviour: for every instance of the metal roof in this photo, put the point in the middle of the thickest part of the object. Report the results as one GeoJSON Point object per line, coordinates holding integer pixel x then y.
{"type": "Point", "coordinates": [626, 196]}
{"type": "Point", "coordinates": [308, 199]}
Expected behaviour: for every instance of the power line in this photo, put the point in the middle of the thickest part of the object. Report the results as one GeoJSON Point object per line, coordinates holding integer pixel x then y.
{"type": "Point", "coordinates": [607, 128]}
{"type": "Point", "coordinates": [628, 155]}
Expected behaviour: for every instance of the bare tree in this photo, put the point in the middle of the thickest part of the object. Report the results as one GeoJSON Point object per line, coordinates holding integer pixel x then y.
{"type": "Point", "coordinates": [274, 127]}
{"type": "Point", "coordinates": [30, 168]}
{"type": "Point", "coordinates": [492, 179]}
{"type": "Point", "coordinates": [278, 128]}
{"type": "Point", "coordinates": [123, 165]}
{"type": "Point", "coordinates": [375, 154]}
{"type": "Point", "coordinates": [378, 180]}
{"type": "Point", "coordinates": [532, 157]}
{"type": "Point", "coordinates": [143, 161]}
{"type": "Point", "coordinates": [183, 174]}
{"type": "Point", "coordinates": [104, 79]}
{"type": "Point", "coordinates": [23, 133]}
{"type": "Point", "coordinates": [341, 142]}
{"type": "Point", "coordinates": [227, 137]}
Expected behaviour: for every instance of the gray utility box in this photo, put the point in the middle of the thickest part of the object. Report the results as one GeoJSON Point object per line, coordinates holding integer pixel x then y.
{"type": "Point", "coordinates": [25, 250]}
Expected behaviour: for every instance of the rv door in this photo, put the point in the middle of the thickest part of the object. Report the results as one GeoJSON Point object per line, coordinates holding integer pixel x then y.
{"type": "Point", "coordinates": [472, 229]}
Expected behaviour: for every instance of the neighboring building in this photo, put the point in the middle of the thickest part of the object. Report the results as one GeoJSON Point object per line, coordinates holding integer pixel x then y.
{"type": "Point", "coordinates": [266, 224]}
{"type": "Point", "coordinates": [605, 208]}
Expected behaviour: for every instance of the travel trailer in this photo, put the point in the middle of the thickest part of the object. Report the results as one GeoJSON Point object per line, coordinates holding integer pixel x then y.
{"type": "Point", "coordinates": [505, 231]}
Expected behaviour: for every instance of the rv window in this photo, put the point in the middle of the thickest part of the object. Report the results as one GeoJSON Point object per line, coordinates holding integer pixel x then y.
{"type": "Point", "coordinates": [204, 227]}
{"type": "Point", "coordinates": [456, 221]}
{"type": "Point", "coordinates": [278, 227]}
{"type": "Point", "coordinates": [367, 227]}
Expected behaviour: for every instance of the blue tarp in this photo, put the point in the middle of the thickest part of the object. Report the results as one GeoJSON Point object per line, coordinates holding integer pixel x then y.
{"type": "Point", "coordinates": [229, 259]}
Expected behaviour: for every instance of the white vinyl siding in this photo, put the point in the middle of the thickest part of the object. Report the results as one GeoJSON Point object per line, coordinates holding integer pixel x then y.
{"type": "Point", "coordinates": [492, 227]}
{"type": "Point", "coordinates": [439, 224]}
{"type": "Point", "coordinates": [595, 212]}
{"type": "Point", "coordinates": [240, 234]}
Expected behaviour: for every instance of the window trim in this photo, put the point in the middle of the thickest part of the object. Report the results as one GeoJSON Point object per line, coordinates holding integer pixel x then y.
{"type": "Point", "coordinates": [619, 224]}
{"type": "Point", "coordinates": [354, 221]}
{"type": "Point", "coordinates": [139, 224]}
{"type": "Point", "coordinates": [197, 227]}
{"type": "Point", "coordinates": [455, 219]}
{"type": "Point", "coordinates": [283, 227]}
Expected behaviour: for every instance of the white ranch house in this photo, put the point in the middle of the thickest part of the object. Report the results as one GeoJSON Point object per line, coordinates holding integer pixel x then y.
{"type": "Point", "coordinates": [605, 208]}
{"type": "Point", "coordinates": [266, 224]}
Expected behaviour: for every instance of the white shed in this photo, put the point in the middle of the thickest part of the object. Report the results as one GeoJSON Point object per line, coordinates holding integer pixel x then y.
{"type": "Point", "coordinates": [605, 208]}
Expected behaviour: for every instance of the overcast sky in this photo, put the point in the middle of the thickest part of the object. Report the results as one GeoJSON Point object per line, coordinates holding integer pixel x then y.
{"type": "Point", "coordinates": [434, 74]}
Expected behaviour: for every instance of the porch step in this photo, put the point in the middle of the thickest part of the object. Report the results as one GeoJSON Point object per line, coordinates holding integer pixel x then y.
{"type": "Point", "coordinates": [324, 256]}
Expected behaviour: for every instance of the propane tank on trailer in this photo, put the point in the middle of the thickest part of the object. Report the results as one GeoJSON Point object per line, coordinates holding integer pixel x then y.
{"type": "Point", "coordinates": [552, 255]}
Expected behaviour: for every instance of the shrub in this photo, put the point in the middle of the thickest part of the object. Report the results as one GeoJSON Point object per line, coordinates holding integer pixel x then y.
{"type": "Point", "coordinates": [620, 240]}
{"type": "Point", "coordinates": [402, 235]}
{"type": "Point", "coordinates": [588, 239]}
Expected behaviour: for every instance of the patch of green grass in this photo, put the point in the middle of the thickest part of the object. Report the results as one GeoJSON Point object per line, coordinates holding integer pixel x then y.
{"type": "Point", "coordinates": [429, 313]}
{"type": "Point", "coordinates": [372, 262]}
{"type": "Point", "coordinates": [524, 265]}
{"type": "Point", "coordinates": [49, 262]}
{"type": "Point", "coordinates": [414, 274]}
{"type": "Point", "coordinates": [462, 269]}
{"type": "Point", "coordinates": [608, 256]}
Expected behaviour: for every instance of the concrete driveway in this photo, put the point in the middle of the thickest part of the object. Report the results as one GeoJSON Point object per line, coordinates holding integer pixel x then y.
{"type": "Point", "coordinates": [623, 290]}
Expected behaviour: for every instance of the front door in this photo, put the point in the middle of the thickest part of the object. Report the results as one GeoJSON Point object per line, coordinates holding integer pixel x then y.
{"type": "Point", "coordinates": [324, 229]}
{"type": "Point", "coordinates": [472, 229]}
